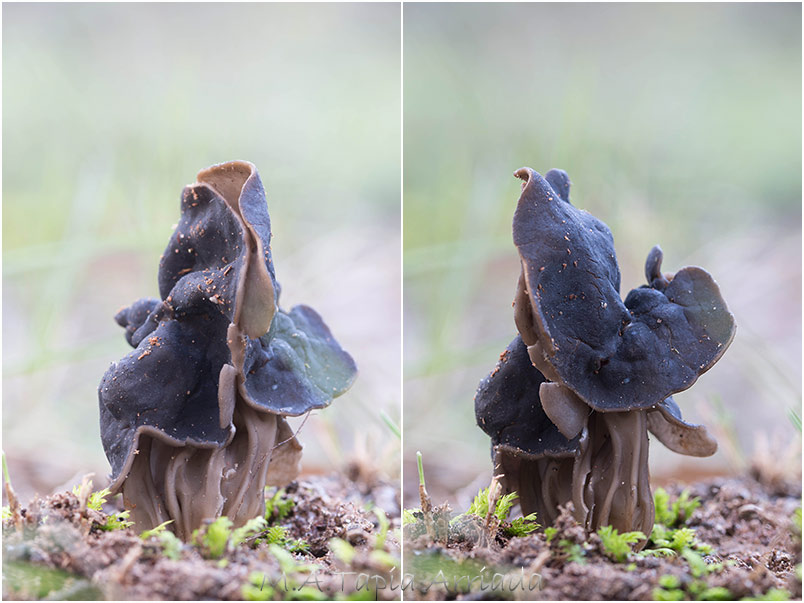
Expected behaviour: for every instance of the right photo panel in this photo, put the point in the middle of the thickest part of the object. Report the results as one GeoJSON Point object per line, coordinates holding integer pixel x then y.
{"type": "Point", "coordinates": [602, 301]}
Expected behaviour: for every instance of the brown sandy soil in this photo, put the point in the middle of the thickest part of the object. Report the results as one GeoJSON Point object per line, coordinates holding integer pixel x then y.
{"type": "Point", "coordinates": [748, 524]}
{"type": "Point", "coordinates": [54, 548]}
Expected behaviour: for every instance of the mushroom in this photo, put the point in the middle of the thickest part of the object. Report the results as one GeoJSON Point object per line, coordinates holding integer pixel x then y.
{"type": "Point", "coordinates": [193, 421]}
{"type": "Point", "coordinates": [569, 405]}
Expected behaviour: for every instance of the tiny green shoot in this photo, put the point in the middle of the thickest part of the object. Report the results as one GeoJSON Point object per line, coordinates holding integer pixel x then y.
{"type": "Point", "coordinates": [572, 551]}
{"type": "Point", "coordinates": [522, 526]}
{"type": "Point", "coordinates": [287, 563]}
{"type": "Point", "coordinates": [117, 521]}
{"type": "Point", "coordinates": [97, 499]}
{"type": "Point", "coordinates": [156, 531]}
{"type": "Point", "coordinates": [480, 504]}
{"type": "Point", "coordinates": [275, 535]}
{"type": "Point", "coordinates": [216, 536]}
{"type": "Point", "coordinates": [661, 503]}
{"type": "Point", "coordinates": [671, 588]}
{"type": "Point", "coordinates": [698, 567]}
{"type": "Point", "coordinates": [420, 468]}
{"type": "Point", "coordinates": [382, 533]}
{"type": "Point", "coordinates": [774, 594]}
{"type": "Point", "coordinates": [795, 419]}
{"type": "Point", "coordinates": [408, 517]}
{"type": "Point", "coordinates": [391, 424]}
{"type": "Point", "coordinates": [171, 545]}
{"type": "Point", "coordinates": [256, 588]}
{"type": "Point", "coordinates": [6, 474]}
{"type": "Point", "coordinates": [342, 550]}
{"type": "Point", "coordinates": [668, 594]}
{"type": "Point", "coordinates": [663, 540]}
{"type": "Point", "coordinates": [669, 581]}
{"type": "Point", "coordinates": [658, 552]}
{"type": "Point", "coordinates": [379, 557]}
{"type": "Point", "coordinates": [279, 535]}
{"type": "Point", "coordinates": [277, 507]}
{"type": "Point", "coordinates": [618, 546]}
{"type": "Point", "coordinates": [251, 528]}
{"type": "Point", "coordinates": [684, 507]}
{"type": "Point", "coordinates": [677, 513]}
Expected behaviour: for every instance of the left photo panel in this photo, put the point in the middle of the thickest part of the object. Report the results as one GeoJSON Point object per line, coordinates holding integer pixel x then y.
{"type": "Point", "coordinates": [201, 301]}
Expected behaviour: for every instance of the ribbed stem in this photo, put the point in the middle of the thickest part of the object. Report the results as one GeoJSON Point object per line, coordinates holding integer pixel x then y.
{"type": "Point", "coordinates": [608, 480]}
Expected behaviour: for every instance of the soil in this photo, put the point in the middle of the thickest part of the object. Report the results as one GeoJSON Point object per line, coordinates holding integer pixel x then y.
{"type": "Point", "coordinates": [748, 523]}
{"type": "Point", "coordinates": [55, 548]}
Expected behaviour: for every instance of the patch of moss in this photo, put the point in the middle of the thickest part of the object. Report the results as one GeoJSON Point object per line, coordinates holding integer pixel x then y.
{"type": "Point", "coordinates": [618, 546]}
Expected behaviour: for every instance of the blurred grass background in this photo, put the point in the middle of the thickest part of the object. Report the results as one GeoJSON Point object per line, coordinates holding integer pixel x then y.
{"type": "Point", "coordinates": [679, 125]}
{"type": "Point", "coordinates": [108, 111]}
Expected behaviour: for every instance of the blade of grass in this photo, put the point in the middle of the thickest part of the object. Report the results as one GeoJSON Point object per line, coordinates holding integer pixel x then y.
{"type": "Point", "coordinates": [391, 424]}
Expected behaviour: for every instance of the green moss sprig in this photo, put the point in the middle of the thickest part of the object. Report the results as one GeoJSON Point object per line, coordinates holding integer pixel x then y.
{"type": "Point", "coordinates": [618, 546]}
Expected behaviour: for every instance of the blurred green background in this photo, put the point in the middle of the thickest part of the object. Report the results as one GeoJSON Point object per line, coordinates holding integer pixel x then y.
{"type": "Point", "coordinates": [679, 124]}
{"type": "Point", "coordinates": [108, 111]}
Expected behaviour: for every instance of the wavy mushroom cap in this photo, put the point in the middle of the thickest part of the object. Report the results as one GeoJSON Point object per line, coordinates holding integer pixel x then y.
{"type": "Point", "coordinates": [138, 319]}
{"type": "Point", "coordinates": [676, 434]}
{"type": "Point", "coordinates": [296, 367]}
{"type": "Point", "coordinates": [513, 406]}
{"type": "Point", "coordinates": [509, 410]}
{"type": "Point", "coordinates": [220, 252]}
{"type": "Point", "coordinates": [614, 355]}
{"type": "Point", "coordinates": [216, 332]}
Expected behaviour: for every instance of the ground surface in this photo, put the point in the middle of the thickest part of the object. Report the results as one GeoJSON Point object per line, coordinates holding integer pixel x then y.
{"type": "Point", "coordinates": [54, 548]}
{"type": "Point", "coordinates": [748, 524]}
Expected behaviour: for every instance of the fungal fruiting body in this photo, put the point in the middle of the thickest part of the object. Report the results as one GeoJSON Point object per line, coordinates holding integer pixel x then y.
{"type": "Point", "coordinates": [570, 403]}
{"type": "Point", "coordinates": [193, 420]}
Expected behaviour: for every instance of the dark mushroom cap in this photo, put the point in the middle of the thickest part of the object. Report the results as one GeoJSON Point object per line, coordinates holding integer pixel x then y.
{"type": "Point", "coordinates": [678, 435]}
{"type": "Point", "coordinates": [138, 319]}
{"type": "Point", "coordinates": [508, 408]}
{"type": "Point", "coordinates": [615, 356]}
{"type": "Point", "coordinates": [168, 388]}
{"type": "Point", "coordinates": [216, 332]}
{"type": "Point", "coordinates": [297, 366]}
{"type": "Point", "coordinates": [220, 254]}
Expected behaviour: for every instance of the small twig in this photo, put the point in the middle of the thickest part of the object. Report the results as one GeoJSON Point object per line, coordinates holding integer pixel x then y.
{"type": "Point", "coordinates": [427, 503]}
{"type": "Point", "coordinates": [494, 496]}
{"type": "Point", "coordinates": [540, 561]}
{"type": "Point", "coordinates": [85, 490]}
{"type": "Point", "coordinates": [131, 558]}
{"type": "Point", "coordinates": [295, 433]}
{"type": "Point", "coordinates": [13, 501]}
{"type": "Point", "coordinates": [490, 525]}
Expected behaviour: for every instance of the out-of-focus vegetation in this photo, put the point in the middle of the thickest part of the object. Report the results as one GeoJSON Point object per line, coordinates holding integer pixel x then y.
{"type": "Point", "coordinates": [679, 125]}
{"type": "Point", "coordinates": [108, 111]}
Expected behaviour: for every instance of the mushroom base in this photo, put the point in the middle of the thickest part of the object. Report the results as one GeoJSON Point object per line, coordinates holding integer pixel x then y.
{"type": "Point", "coordinates": [607, 480]}
{"type": "Point", "coordinates": [189, 484]}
